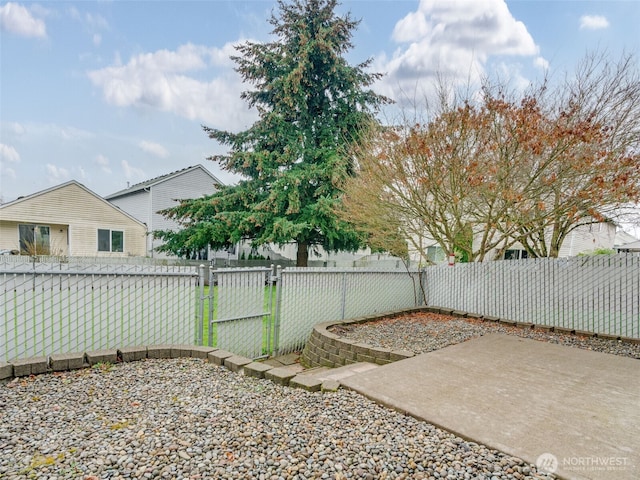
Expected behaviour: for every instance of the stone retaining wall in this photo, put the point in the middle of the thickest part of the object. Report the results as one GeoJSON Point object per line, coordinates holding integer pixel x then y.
{"type": "Point", "coordinates": [326, 349]}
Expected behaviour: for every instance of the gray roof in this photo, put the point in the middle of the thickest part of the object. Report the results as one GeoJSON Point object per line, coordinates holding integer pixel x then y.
{"type": "Point", "coordinates": [162, 178]}
{"type": "Point", "coordinates": [629, 246]}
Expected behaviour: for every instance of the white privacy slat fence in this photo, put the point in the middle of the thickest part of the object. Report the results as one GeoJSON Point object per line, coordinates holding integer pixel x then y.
{"type": "Point", "coordinates": [598, 294]}
{"type": "Point", "coordinates": [307, 296]}
{"type": "Point", "coordinates": [243, 317]}
{"type": "Point", "coordinates": [73, 307]}
{"type": "Point", "coordinates": [59, 310]}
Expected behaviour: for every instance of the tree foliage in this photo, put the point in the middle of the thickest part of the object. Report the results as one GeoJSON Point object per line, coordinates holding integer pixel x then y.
{"type": "Point", "coordinates": [311, 103]}
{"type": "Point", "coordinates": [481, 174]}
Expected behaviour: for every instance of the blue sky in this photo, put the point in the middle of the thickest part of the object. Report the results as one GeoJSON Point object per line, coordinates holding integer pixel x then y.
{"type": "Point", "coordinates": [110, 92]}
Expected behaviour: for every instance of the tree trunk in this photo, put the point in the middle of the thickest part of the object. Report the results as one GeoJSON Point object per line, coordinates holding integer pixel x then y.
{"type": "Point", "coordinates": [302, 257]}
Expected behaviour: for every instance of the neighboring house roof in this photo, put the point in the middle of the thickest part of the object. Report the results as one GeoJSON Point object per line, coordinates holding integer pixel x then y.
{"type": "Point", "coordinates": [623, 238]}
{"type": "Point", "coordinates": [630, 246]}
{"type": "Point", "coordinates": [7, 207]}
{"type": "Point", "coordinates": [162, 178]}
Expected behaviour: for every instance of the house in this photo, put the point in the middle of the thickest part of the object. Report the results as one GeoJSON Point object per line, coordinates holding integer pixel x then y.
{"type": "Point", "coordinates": [626, 243]}
{"type": "Point", "coordinates": [144, 200]}
{"type": "Point", "coordinates": [69, 219]}
{"type": "Point", "coordinates": [582, 239]}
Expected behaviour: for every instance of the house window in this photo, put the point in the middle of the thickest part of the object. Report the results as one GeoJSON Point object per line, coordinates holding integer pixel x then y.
{"type": "Point", "coordinates": [110, 240]}
{"type": "Point", "coordinates": [515, 254]}
{"type": "Point", "coordinates": [34, 240]}
{"type": "Point", "coordinates": [435, 254]}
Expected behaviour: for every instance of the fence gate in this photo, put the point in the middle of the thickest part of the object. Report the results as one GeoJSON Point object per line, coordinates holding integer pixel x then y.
{"type": "Point", "coordinates": [240, 305]}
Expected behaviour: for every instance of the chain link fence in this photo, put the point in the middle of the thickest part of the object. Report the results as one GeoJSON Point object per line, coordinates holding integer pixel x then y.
{"type": "Point", "coordinates": [599, 294]}
{"type": "Point", "coordinates": [240, 306]}
{"type": "Point", "coordinates": [47, 309]}
{"type": "Point", "coordinates": [307, 296]}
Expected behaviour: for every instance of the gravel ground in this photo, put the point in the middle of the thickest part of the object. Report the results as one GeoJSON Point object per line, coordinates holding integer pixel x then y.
{"type": "Point", "coordinates": [425, 332]}
{"type": "Point", "coordinates": [187, 419]}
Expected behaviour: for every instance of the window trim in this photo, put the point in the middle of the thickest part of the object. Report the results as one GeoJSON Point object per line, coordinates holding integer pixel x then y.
{"type": "Point", "coordinates": [36, 237]}
{"type": "Point", "coordinates": [111, 232]}
{"type": "Point", "coordinates": [521, 254]}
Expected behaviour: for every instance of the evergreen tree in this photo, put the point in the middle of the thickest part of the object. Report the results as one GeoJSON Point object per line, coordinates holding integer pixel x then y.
{"type": "Point", "coordinates": [312, 104]}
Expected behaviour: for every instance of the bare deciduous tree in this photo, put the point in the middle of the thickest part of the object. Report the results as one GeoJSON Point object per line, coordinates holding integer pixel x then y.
{"type": "Point", "coordinates": [479, 176]}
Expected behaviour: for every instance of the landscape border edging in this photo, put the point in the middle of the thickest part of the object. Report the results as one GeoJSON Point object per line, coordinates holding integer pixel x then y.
{"type": "Point", "coordinates": [25, 367]}
{"type": "Point", "coordinates": [323, 349]}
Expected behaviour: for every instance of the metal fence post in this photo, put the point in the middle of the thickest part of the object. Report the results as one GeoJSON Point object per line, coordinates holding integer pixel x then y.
{"type": "Point", "coordinates": [273, 276]}
{"type": "Point", "coordinates": [200, 316]}
{"type": "Point", "coordinates": [344, 295]}
{"type": "Point", "coordinates": [276, 311]}
{"type": "Point", "coordinates": [212, 300]}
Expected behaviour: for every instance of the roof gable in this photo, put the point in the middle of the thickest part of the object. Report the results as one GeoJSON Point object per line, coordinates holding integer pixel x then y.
{"type": "Point", "coordinates": [163, 178]}
{"type": "Point", "coordinates": [59, 204]}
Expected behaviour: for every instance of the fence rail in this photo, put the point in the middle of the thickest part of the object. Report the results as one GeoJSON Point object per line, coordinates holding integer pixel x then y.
{"type": "Point", "coordinates": [599, 294]}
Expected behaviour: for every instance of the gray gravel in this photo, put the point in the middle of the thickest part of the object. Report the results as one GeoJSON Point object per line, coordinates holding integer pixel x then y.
{"type": "Point", "coordinates": [187, 419]}
{"type": "Point", "coordinates": [425, 332]}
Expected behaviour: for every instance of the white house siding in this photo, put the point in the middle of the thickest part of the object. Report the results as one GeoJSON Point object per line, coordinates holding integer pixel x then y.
{"type": "Point", "coordinates": [191, 184]}
{"type": "Point", "coordinates": [583, 239]}
{"type": "Point", "coordinates": [74, 207]}
{"type": "Point", "coordinates": [587, 238]}
{"type": "Point", "coordinates": [144, 204]}
{"type": "Point", "coordinates": [136, 204]}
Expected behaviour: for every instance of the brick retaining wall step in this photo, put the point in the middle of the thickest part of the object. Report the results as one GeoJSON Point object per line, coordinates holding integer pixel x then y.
{"type": "Point", "coordinates": [159, 351]}
{"type": "Point", "coordinates": [280, 375]}
{"type": "Point", "coordinates": [218, 356]}
{"type": "Point", "coordinates": [236, 363]}
{"type": "Point", "coordinates": [306, 382]}
{"type": "Point", "coordinates": [67, 361]}
{"type": "Point", "coordinates": [132, 354]}
{"type": "Point", "coordinates": [30, 366]}
{"type": "Point", "coordinates": [6, 370]}
{"type": "Point", "coordinates": [256, 369]}
{"type": "Point", "coordinates": [328, 349]}
{"type": "Point", "coordinates": [102, 356]}
{"type": "Point", "coordinates": [201, 352]}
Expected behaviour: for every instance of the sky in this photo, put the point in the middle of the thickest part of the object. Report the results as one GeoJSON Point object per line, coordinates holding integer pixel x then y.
{"type": "Point", "coordinates": [114, 92]}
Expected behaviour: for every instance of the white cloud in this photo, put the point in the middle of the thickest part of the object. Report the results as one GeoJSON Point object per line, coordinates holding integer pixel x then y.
{"type": "Point", "coordinates": [454, 40]}
{"type": "Point", "coordinates": [16, 128]}
{"type": "Point", "coordinates": [103, 163]}
{"type": "Point", "coordinates": [541, 62]}
{"type": "Point", "coordinates": [131, 173]}
{"type": "Point", "coordinates": [91, 24]}
{"type": "Point", "coordinates": [593, 22]}
{"type": "Point", "coordinates": [14, 18]}
{"type": "Point", "coordinates": [159, 81]}
{"type": "Point", "coordinates": [56, 175]}
{"type": "Point", "coordinates": [154, 148]}
{"type": "Point", "coordinates": [8, 154]}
